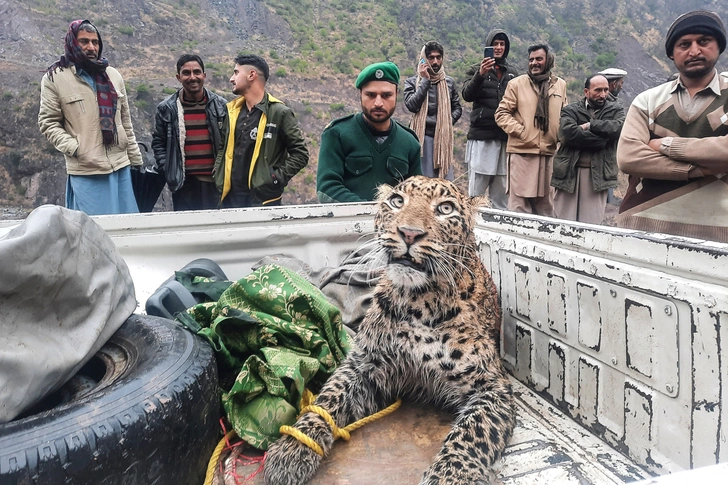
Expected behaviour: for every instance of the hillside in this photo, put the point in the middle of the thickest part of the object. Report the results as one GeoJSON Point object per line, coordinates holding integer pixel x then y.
{"type": "Point", "coordinates": [315, 48]}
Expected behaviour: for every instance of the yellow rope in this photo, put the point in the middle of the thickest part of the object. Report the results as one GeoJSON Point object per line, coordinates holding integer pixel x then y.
{"type": "Point", "coordinates": [216, 456]}
{"type": "Point", "coordinates": [337, 432]}
{"type": "Point", "coordinates": [303, 438]}
{"type": "Point", "coordinates": [307, 399]}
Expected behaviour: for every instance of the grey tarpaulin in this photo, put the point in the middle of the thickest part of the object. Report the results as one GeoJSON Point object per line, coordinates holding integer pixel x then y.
{"type": "Point", "coordinates": [64, 290]}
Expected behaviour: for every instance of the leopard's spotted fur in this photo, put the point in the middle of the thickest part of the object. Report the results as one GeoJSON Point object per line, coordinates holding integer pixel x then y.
{"type": "Point", "coordinates": [429, 336]}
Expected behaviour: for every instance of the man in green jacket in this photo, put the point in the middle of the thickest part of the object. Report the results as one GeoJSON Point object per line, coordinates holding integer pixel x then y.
{"type": "Point", "coordinates": [585, 166]}
{"type": "Point", "coordinates": [262, 144]}
{"type": "Point", "coordinates": [359, 152]}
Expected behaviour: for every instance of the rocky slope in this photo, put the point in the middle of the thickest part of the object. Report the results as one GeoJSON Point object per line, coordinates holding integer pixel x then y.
{"type": "Point", "coordinates": [315, 48]}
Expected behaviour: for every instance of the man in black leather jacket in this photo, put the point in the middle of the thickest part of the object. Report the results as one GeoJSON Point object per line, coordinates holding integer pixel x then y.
{"type": "Point", "coordinates": [485, 152]}
{"type": "Point", "coordinates": [187, 136]}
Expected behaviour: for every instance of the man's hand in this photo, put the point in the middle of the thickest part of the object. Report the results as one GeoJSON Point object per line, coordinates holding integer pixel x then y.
{"type": "Point", "coordinates": [655, 144]}
{"type": "Point", "coordinates": [486, 65]}
{"type": "Point", "coordinates": [585, 126]}
{"type": "Point", "coordinates": [424, 70]}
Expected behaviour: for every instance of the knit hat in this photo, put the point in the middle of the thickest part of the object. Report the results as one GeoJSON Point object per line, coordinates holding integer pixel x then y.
{"type": "Point", "coordinates": [695, 22]}
{"type": "Point", "coordinates": [381, 71]}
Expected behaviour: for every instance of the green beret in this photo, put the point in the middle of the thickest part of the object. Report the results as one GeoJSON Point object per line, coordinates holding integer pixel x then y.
{"type": "Point", "coordinates": [381, 71]}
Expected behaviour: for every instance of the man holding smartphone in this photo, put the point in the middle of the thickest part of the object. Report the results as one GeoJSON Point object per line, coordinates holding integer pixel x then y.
{"type": "Point", "coordinates": [485, 152]}
{"type": "Point", "coordinates": [434, 100]}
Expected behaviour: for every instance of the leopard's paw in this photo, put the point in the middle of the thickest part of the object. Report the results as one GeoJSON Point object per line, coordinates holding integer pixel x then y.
{"type": "Point", "coordinates": [290, 462]}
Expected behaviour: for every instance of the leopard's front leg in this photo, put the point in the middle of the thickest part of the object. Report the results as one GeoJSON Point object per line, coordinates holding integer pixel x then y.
{"type": "Point", "coordinates": [477, 438]}
{"type": "Point", "coordinates": [347, 397]}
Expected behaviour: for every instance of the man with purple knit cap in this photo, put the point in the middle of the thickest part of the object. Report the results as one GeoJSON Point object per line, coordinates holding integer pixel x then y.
{"type": "Point", "coordinates": [84, 113]}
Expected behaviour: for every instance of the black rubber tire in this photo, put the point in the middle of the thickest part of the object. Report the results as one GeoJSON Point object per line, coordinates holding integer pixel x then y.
{"type": "Point", "coordinates": [157, 423]}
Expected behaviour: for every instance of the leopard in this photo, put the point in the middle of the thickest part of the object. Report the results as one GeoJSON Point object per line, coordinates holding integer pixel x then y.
{"type": "Point", "coordinates": [430, 337]}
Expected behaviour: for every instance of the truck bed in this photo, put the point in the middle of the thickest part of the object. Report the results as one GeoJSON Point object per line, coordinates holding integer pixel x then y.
{"type": "Point", "coordinates": [614, 338]}
{"type": "Point", "coordinates": [546, 448]}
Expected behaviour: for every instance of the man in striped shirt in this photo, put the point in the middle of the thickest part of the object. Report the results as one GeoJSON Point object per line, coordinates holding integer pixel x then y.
{"type": "Point", "coordinates": [187, 135]}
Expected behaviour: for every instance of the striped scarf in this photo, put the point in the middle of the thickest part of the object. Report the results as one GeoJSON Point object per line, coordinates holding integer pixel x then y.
{"type": "Point", "coordinates": [105, 91]}
{"type": "Point", "coordinates": [543, 82]}
{"type": "Point", "coordinates": [442, 152]}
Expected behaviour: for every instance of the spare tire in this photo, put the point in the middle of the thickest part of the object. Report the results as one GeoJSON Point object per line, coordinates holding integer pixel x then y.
{"type": "Point", "coordinates": [152, 417]}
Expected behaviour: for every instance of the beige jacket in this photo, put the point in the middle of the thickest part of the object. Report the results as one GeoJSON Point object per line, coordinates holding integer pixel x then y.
{"type": "Point", "coordinates": [516, 112]}
{"type": "Point", "coordinates": [69, 119]}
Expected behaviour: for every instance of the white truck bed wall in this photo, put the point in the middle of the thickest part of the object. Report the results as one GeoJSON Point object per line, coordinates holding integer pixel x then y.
{"type": "Point", "coordinates": [155, 245]}
{"type": "Point", "coordinates": [625, 333]}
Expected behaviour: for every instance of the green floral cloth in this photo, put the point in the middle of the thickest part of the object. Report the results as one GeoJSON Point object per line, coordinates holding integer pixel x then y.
{"type": "Point", "coordinates": [277, 334]}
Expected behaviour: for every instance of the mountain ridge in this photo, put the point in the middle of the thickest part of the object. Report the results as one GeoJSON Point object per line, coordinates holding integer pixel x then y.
{"type": "Point", "coordinates": [315, 48]}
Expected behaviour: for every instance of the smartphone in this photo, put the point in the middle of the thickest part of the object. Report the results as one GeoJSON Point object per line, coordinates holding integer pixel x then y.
{"type": "Point", "coordinates": [488, 52]}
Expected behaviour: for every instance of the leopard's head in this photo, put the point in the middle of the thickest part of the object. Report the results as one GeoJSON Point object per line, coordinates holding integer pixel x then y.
{"type": "Point", "coordinates": [425, 229]}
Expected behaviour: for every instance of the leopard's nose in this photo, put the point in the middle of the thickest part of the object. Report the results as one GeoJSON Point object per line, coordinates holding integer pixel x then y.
{"type": "Point", "coordinates": [411, 234]}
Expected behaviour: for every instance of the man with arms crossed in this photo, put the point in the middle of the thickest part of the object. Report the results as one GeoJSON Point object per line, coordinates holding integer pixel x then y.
{"type": "Point", "coordinates": [585, 166]}
{"type": "Point", "coordinates": [673, 144]}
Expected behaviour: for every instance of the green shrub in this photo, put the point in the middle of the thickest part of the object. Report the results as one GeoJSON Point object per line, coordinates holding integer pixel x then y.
{"type": "Point", "coordinates": [337, 106]}
{"type": "Point", "coordinates": [126, 30]}
{"type": "Point", "coordinates": [605, 59]}
{"type": "Point", "coordinates": [298, 65]}
{"type": "Point", "coordinates": [575, 85]}
{"type": "Point", "coordinates": [168, 90]}
{"type": "Point", "coordinates": [143, 90]}
{"type": "Point", "coordinates": [281, 72]}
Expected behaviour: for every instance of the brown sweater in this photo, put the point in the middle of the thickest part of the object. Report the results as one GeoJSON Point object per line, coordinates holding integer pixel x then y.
{"type": "Point", "coordinates": [699, 146]}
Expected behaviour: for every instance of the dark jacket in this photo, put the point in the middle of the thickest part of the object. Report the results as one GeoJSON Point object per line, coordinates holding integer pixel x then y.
{"type": "Point", "coordinates": [279, 154]}
{"type": "Point", "coordinates": [168, 151]}
{"type": "Point", "coordinates": [600, 140]}
{"type": "Point", "coordinates": [414, 97]}
{"type": "Point", "coordinates": [485, 92]}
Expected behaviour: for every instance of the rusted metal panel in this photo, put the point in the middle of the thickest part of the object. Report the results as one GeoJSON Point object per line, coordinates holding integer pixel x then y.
{"type": "Point", "coordinates": [635, 351]}
{"type": "Point", "coordinates": [590, 315]}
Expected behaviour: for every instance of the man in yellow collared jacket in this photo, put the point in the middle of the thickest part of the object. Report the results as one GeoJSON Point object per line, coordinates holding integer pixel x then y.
{"type": "Point", "coordinates": [262, 144]}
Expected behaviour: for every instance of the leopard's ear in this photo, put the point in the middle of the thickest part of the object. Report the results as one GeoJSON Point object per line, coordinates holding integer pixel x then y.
{"type": "Point", "coordinates": [481, 201]}
{"type": "Point", "coordinates": [384, 191]}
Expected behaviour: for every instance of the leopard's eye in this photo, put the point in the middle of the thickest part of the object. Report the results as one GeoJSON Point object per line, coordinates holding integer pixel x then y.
{"type": "Point", "coordinates": [396, 201]}
{"type": "Point", "coordinates": [446, 208]}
